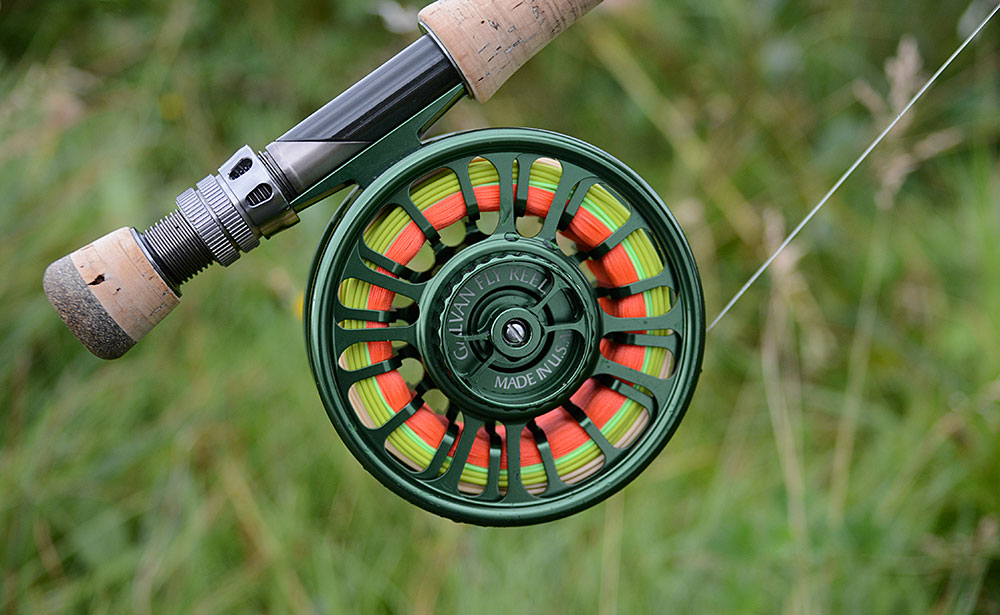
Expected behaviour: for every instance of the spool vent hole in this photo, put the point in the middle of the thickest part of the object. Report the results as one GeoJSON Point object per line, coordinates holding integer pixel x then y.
{"type": "Point", "coordinates": [259, 194]}
{"type": "Point", "coordinates": [241, 167]}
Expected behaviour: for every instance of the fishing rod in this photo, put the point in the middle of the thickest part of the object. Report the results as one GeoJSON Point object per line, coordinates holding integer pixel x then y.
{"type": "Point", "coordinates": [260, 193]}
{"type": "Point", "coordinates": [547, 295]}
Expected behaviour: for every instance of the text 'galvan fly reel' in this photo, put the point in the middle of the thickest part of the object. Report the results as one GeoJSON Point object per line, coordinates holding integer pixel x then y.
{"type": "Point", "coordinates": [505, 326]}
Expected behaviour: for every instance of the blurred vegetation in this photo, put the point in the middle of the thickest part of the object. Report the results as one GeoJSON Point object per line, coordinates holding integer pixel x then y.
{"type": "Point", "coordinates": [842, 453]}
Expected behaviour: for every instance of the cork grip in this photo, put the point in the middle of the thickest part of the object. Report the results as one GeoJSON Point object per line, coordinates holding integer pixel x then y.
{"type": "Point", "coordinates": [490, 39]}
{"type": "Point", "coordinates": [108, 293]}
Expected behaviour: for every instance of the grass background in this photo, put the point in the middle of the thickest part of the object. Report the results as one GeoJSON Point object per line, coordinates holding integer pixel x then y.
{"type": "Point", "coordinates": [841, 454]}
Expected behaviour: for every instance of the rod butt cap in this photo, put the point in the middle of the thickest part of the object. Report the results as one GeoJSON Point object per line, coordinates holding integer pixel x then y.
{"type": "Point", "coordinates": [108, 294]}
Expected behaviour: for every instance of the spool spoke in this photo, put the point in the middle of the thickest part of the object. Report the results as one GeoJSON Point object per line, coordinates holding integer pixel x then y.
{"type": "Point", "coordinates": [523, 181]}
{"type": "Point", "coordinates": [381, 433]}
{"type": "Point", "coordinates": [443, 256]}
{"type": "Point", "coordinates": [610, 452]}
{"type": "Point", "coordinates": [555, 485]}
{"type": "Point", "coordinates": [441, 452]}
{"type": "Point", "coordinates": [376, 369]}
{"type": "Point", "coordinates": [664, 278]}
{"type": "Point", "coordinates": [504, 165]}
{"type": "Point", "coordinates": [341, 313]}
{"type": "Point", "coordinates": [345, 338]}
{"type": "Point", "coordinates": [397, 269]}
{"type": "Point", "coordinates": [492, 490]}
{"type": "Point", "coordinates": [451, 477]}
{"type": "Point", "coordinates": [659, 388]}
{"type": "Point", "coordinates": [670, 342]}
{"type": "Point", "coordinates": [558, 286]}
{"type": "Point", "coordinates": [481, 367]}
{"type": "Point", "coordinates": [473, 234]}
{"type": "Point", "coordinates": [461, 169]}
{"type": "Point", "coordinates": [612, 241]}
{"type": "Point", "coordinates": [430, 233]}
{"type": "Point", "coordinates": [564, 205]}
{"type": "Point", "coordinates": [425, 384]}
{"type": "Point", "coordinates": [473, 337]}
{"type": "Point", "coordinates": [576, 326]}
{"type": "Point", "coordinates": [573, 206]}
{"type": "Point", "coordinates": [672, 320]}
{"type": "Point", "coordinates": [515, 482]}
{"type": "Point", "coordinates": [356, 268]}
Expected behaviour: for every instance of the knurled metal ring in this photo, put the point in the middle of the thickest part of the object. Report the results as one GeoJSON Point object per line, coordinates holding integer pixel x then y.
{"type": "Point", "coordinates": [225, 210]}
{"type": "Point", "coordinates": [194, 209]}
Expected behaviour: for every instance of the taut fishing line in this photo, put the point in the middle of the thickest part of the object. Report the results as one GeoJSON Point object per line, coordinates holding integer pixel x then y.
{"type": "Point", "coordinates": [864, 155]}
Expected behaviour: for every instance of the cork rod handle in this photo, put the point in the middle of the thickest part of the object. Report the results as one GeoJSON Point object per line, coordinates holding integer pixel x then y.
{"type": "Point", "coordinates": [490, 39]}
{"type": "Point", "coordinates": [108, 293]}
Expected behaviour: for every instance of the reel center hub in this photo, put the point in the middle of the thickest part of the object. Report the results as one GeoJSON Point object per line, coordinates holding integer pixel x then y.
{"type": "Point", "coordinates": [516, 330]}
{"type": "Point", "coordinates": [516, 333]}
{"type": "Point", "coordinates": [515, 327]}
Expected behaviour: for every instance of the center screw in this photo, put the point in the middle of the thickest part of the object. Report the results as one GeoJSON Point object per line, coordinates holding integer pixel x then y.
{"type": "Point", "coordinates": [515, 332]}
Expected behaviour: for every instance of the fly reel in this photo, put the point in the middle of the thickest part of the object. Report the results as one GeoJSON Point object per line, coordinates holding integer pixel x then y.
{"type": "Point", "coordinates": [506, 326]}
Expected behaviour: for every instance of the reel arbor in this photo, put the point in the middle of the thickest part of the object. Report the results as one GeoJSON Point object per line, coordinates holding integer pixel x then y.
{"type": "Point", "coordinates": [555, 350]}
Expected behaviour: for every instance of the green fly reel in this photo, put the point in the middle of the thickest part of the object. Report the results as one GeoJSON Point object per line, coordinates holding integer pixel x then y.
{"type": "Point", "coordinates": [506, 326]}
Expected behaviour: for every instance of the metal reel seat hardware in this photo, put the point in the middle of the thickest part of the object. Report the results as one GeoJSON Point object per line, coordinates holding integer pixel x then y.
{"type": "Point", "coordinates": [593, 375]}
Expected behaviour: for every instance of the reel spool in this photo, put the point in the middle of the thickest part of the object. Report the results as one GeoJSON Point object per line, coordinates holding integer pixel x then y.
{"type": "Point", "coordinates": [507, 373]}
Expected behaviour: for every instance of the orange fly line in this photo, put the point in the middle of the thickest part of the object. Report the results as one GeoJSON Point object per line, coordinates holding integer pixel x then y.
{"type": "Point", "coordinates": [377, 399]}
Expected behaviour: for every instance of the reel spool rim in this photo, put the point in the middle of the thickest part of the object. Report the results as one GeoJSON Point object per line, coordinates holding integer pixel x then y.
{"type": "Point", "coordinates": [671, 242]}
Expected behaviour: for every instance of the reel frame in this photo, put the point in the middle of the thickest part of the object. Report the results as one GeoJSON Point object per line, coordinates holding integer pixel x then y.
{"type": "Point", "coordinates": [342, 255]}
